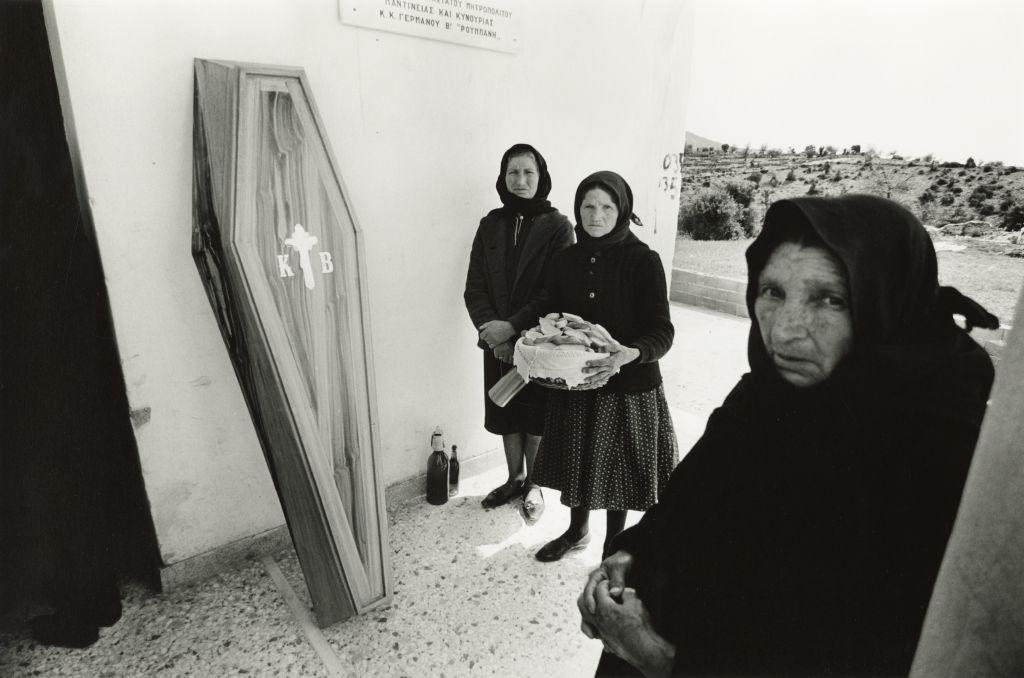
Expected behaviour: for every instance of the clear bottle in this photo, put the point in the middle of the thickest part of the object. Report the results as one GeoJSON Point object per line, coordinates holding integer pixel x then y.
{"type": "Point", "coordinates": [453, 472]}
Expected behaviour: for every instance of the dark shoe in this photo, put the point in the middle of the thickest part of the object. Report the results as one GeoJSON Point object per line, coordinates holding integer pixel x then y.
{"type": "Point", "coordinates": [503, 494]}
{"type": "Point", "coordinates": [556, 548]}
{"type": "Point", "coordinates": [533, 503]}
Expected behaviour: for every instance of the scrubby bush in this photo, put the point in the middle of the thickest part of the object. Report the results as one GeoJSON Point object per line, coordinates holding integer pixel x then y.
{"type": "Point", "coordinates": [978, 196]}
{"type": "Point", "coordinates": [754, 177]}
{"type": "Point", "coordinates": [955, 190]}
{"type": "Point", "coordinates": [790, 176]}
{"type": "Point", "coordinates": [946, 200]}
{"type": "Point", "coordinates": [926, 197]}
{"type": "Point", "coordinates": [743, 194]}
{"type": "Point", "coordinates": [986, 209]}
{"type": "Point", "coordinates": [1013, 218]}
{"type": "Point", "coordinates": [970, 163]}
{"type": "Point", "coordinates": [711, 215]}
{"type": "Point", "coordinates": [750, 220]}
{"type": "Point", "coordinates": [813, 190]}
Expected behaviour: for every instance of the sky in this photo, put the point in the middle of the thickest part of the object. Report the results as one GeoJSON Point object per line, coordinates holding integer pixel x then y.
{"type": "Point", "coordinates": [911, 76]}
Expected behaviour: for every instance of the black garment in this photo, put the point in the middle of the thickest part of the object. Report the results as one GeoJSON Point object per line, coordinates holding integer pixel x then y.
{"type": "Point", "coordinates": [804, 531]}
{"type": "Point", "coordinates": [515, 241]}
{"type": "Point", "coordinates": [523, 414]}
{"type": "Point", "coordinates": [73, 514]}
{"type": "Point", "coordinates": [489, 296]}
{"type": "Point", "coordinates": [621, 287]}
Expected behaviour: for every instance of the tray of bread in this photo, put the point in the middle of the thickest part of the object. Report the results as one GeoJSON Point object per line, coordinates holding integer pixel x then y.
{"type": "Point", "coordinates": [554, 353]}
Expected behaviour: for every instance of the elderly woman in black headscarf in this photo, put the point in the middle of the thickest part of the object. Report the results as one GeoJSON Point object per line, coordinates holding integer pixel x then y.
{"type": "Point", "coordinates": [504, 288]}
{"type": "Point", "coordinates": [613, 446]}
{"type": "Point", "coordinates": [803, 533]}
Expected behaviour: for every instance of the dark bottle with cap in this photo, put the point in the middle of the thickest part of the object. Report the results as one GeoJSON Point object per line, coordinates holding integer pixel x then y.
{"type": "Point", "coordinates": [453, 472]}
{"type": "Point", "coordinates": [437, 470]}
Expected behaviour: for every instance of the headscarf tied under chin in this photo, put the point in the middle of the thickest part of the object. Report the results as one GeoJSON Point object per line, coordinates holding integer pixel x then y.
{"type": "Point", "coordinates": [620, 192]}
{"type": "Point", "coordinates": [903, 328]}
{"type": "Point", "coordinates": [539, 203]}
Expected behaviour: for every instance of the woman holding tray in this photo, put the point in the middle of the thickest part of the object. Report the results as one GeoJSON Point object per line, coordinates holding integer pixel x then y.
{"type": "Point", "coordinates": [504, 286]}
{"type": "Point", "coordinates": [611, 445]}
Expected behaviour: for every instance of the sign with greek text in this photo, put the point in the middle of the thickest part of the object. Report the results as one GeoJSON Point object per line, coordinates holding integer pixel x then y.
{"type": "Point", "coordinates": [490, 24]}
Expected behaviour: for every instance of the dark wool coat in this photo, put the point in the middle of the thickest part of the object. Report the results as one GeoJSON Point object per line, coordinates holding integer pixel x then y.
{"type": "Point", "coordinates": [803, 533]}
{"type": "Point", "coordinates": [622, 288]}
{"type": "Point", "coordinates": [489, 295]}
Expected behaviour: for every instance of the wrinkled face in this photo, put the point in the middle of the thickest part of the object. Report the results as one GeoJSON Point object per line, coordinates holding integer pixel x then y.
{"type": "Point", "coordinates": [598, 213]}
{"type": "Point", "coordinates": [522, 176]}
{"type": "Point", "coordinates": [803, 308]}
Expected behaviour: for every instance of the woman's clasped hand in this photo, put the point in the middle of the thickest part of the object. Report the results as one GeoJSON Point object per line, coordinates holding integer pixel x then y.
{"type": "Point", "coordinates": [612, 612]}
{"type": "Point", "coordinates": [600, 370]}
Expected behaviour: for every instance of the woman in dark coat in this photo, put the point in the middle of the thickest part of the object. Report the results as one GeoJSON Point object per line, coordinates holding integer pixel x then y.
{"type": "Point", "coordinates": [613, 447]}
{"type": "Point", "coordinates": [504, 287]}
{"type": "Point", "coordinates": [804, 531]}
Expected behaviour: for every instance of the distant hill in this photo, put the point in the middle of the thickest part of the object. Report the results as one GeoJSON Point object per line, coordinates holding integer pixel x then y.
{"type": "Point", "coordinates": [990, 194]}
{"type": "Point", "coordinates": [698, 142]}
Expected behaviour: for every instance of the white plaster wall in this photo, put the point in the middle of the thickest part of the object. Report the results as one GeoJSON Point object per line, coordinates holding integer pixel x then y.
{"type": "Point", "coordinates": [418, 127]}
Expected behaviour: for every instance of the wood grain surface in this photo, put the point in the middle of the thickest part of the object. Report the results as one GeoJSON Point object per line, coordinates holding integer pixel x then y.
{"type": "Point", "coordinates": [280, 256]}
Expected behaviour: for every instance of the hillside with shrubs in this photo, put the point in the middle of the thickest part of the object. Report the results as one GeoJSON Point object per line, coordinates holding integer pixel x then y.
{"type": "Point", "coordinates": [725, 191]}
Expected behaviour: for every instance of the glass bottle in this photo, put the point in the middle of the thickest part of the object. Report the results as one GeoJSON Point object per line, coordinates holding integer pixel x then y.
{"type": "Point", "coordinates": [453, 472]}
{"type": "Point", "coordinates": [437, 470]}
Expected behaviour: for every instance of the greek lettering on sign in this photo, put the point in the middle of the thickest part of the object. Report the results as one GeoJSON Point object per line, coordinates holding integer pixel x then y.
{"type": "Point", "coordinates": [301, 241]}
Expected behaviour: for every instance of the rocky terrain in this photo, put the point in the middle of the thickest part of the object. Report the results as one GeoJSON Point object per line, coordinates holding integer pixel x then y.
{"type": "Point", "coordinates": [962, 199]}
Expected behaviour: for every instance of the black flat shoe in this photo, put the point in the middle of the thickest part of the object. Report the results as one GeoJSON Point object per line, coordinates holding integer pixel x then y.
{"type": "Point", "coordinates": [556, 548]}
{"type": "Point", "coordinates": [533, 503]}
{"type": "Point", "coordinates": [503, 494]}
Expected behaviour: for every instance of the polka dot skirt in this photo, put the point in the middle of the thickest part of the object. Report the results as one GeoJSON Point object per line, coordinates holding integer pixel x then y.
{"type": "Point", "coordinates": [606, 450]}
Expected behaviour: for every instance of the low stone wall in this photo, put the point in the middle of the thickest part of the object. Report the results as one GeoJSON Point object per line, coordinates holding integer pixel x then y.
{"type": "Point", "coordinates": [728, 295]}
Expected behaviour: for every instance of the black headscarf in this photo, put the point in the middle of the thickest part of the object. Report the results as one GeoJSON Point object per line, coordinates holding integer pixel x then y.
{"type": "Point", "coordinates": [620, 192]}
{"type": "Point", "coordinates": [539, 203]}
{"type": "Point", "coordinates": [903, 327]}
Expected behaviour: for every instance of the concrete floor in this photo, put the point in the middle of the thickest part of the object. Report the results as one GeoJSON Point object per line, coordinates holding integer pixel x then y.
{"type": "Point", "coordinates": [470, 599]}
